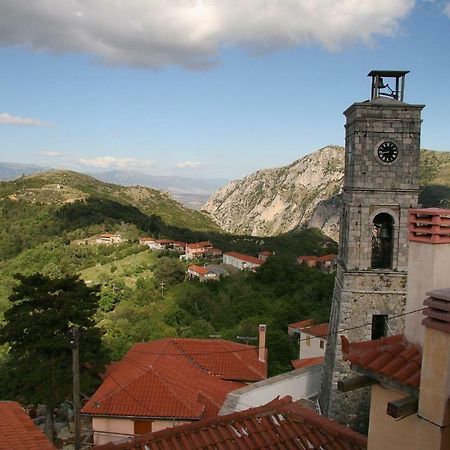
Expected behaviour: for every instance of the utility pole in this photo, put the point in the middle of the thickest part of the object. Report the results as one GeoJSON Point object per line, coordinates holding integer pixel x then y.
{"type": "Point", "coordinates": [162, 284]}
{"type": "Point", "coordinates": [76, 385]}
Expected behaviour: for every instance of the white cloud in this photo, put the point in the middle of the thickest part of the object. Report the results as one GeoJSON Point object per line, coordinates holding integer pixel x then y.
{"type": "Point", "coordinates": [6, 118]}
{"type": "Point", "coordinates": [447, 9]}
{"type": "Point", "coordinates": [155, 33]}
{"type": "Point", "coordinates": [51, 154]}
{"type": "Point", "coordinates": [188, 164]}
{"type": "Point", "coordinates": [111, 162]}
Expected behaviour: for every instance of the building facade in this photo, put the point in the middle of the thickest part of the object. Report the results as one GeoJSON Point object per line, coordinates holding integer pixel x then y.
{"type": "Point", "coordinates": [381, 183]}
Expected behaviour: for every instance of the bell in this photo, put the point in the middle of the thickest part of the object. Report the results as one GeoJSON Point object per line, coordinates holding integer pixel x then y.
{"type": "Point", "coordinates": [380, 83]}
{"type": "Point", "coordinates": [384, 232]}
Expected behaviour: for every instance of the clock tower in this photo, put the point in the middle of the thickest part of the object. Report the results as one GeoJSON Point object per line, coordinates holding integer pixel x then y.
{"type": "Point", "coordinates": [381, 182]}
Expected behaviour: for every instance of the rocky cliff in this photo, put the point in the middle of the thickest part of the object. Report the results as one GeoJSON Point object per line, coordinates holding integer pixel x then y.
{"type": "Point", "coordinates": [273, 201]}
{"type": "Point", "coordinates": [306, 193]}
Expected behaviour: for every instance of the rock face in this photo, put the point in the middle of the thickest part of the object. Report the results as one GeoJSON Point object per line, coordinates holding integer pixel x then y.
{"type": "Point", "coordinates": [274, 201]}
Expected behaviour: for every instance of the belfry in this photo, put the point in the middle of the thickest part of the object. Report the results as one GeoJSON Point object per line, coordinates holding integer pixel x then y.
{"type": "Point", "coordinates": [381, 182]}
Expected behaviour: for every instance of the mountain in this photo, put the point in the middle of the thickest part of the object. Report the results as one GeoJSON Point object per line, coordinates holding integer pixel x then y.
{"type": "Point", "coordinates": [191, 192]}
{"type": "Point", "coordinates": [307, 193]}
{"type": "Point", "coordinates": [10, 171]}
{"type": "Point", "coordinates": [68, 205]}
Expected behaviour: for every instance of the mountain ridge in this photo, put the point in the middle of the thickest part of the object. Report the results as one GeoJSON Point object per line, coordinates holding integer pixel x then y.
{"type": "Point", "coordinates": [306, 193]}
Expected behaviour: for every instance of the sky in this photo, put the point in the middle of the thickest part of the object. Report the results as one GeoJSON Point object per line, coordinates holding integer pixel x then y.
{"type": "Point", "coordinates": [207, 88]}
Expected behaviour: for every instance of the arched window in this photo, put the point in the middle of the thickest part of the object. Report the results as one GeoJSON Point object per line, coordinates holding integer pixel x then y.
{"type": "Point", "coordinates": [382, 241]}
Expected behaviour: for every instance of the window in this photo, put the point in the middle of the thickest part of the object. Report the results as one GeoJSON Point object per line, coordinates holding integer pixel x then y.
{"type": "Point", "coordinates": [322, 344]}
{"type": "Point", "coordinates": [142, 426]}
{"type": "Point", "coordinates": [379, 328]}
{"type": "Point", "coordinates": [382, 241]}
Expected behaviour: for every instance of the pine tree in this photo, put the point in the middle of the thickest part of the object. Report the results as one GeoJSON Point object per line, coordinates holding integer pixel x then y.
{"type": "Point", "coordinates": [37, 329]}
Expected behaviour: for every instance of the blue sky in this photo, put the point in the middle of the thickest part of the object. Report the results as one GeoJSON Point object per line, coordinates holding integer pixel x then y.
{"type": "Point", "coordinates": [205, 87]}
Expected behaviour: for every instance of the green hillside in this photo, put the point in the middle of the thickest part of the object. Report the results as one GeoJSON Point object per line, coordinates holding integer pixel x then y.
{"type": "Point", "coordinates": [69, 205]}
{"type": "Point", "coordinates": [435, 179]}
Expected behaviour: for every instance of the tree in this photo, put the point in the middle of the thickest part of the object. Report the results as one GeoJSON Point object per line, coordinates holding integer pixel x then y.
{"type": "Point", "coordinates": [37, 330]}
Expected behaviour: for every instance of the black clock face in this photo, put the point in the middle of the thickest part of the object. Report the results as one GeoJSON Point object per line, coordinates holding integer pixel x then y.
{"type": "Point", "coordinates": [387, 152]}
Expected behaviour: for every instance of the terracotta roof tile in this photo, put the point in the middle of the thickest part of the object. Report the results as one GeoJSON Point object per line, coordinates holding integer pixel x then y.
{"type": "Point", "coordinates": [302, 323]}
{"type": "Point", "coordinates": [319, 330]}
{"type": "Point", "coordinates": [392, 357]}
{"type": "Point", "coordinates": [199, 269]}
{"type": "Point", "coordinates": [307, 362]}
{"type": "Point", "coordinates": [281, 424]}
{"type": "Point", "coordinates": [17, 430]}
{"type": "Point", "coordinates": [182, 378]}
{"type": "Point", "coordinates": [246, 258]}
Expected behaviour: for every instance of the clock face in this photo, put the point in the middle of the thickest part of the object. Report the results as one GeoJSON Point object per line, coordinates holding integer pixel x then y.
{"type": "Point", "coordinates": [387, 152]}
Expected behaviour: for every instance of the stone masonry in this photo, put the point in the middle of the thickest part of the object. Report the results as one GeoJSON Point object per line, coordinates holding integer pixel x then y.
{"type": "Point", "coordinates": [371, 187]}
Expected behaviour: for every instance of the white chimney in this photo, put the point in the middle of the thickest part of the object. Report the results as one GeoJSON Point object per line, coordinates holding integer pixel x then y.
{"type": "Point", "coordinates": [428, 263]}
{"type": "Point", "coordinates": [262, 342]}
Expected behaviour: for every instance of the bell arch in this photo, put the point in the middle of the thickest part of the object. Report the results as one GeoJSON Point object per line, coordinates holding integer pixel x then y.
{"type": "Point", "coordinates": [382, 241]}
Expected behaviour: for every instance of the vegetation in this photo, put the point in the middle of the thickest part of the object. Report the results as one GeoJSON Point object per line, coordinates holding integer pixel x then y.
{"type": "Point", "coordinates": [38, 364]}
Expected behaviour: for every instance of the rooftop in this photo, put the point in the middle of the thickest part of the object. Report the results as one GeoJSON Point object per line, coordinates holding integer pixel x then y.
{"type": "Point", "coordinates": [17, 430]}
{"type": "Point", "coordinates": [390, 358]}
{"type": "Point", "coordinates": [246, 258]}
{"type": "Point", "coordinates": [281, 424]}
{"type": "Point", "coordinates": [175, 378]}
{"type": "Point", "coordinates": [307, 362]}
{"type": "Point", "coordinates": [319, 330]}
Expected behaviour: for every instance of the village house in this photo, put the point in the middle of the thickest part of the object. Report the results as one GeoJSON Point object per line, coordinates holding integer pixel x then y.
{"type": "Point", "coordinates": [410, 373]}
{"type": "Point", "coordinates": [145, 240]}
{"type": "Point", "coordinates": [327, 263]}
{"type": "Point", "coordinates": [206, 272]}
{"type": "Point", "coordinates": [312, 339]}
{"type": "Point", "coordinates": [108, 238]}
{"type": "Point", "coordinates": [168, 382]}
{"type": "Point", "coordinates": [241, 261]}
{"type": "Point", "coordinates": [197, 249]}
{"type": "Point", "coordinates": [264, 255]}
{"type": "Point", "coordinates": [18, 431]}
{"type": "Point", "coordinates": [280, 424]}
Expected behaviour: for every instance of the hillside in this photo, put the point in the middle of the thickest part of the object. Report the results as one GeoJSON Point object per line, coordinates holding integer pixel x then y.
{"type": "Point", "coordinates": [306, 193]}
{"type": "Point", "coordinates": [70, 205]}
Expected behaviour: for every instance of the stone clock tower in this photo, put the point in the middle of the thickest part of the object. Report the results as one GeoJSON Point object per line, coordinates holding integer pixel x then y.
{"type": "Point", "coordinates": [381, 182]}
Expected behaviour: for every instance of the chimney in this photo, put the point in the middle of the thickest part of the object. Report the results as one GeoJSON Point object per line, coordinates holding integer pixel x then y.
{"type": "Point", "coordinates": [262, 342]}
{"type": "Point", "coordinates": [428, 262]}
{"type": "Point", "coordinates": [434, 404]}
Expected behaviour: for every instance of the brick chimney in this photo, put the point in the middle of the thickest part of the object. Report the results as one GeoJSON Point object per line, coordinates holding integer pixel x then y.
{"type": "Point", "coordinates": [428, 263]}
{"type": "Point", "coordinates": [434, 403]}
{"type": "Point", "coordinates": [262, 342]}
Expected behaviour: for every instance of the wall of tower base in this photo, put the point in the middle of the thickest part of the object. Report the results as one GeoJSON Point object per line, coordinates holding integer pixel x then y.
{"type": "Point", "coordinates": [358, 295]}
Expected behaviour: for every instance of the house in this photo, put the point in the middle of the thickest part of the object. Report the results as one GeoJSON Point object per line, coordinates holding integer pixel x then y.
{"type": "Point", "coordinates": [108, 238]}
{"type": "Point", "coordinates": [197, 249]}
{"type": "Point", "coordinates": [18, 431]}
{"type": "Point", "coordinates": [280, 424]}
{"type": "Point", "coordinates": [312, 338]}
{"type": "Point", "coordinates": [264, 255]}
{"type": "Point", "coordinates": [167, 382]}
{"type": "Point", "coordinates": [145, 240]}
{"type": "Point", "coordinates": [313, 341]}
{"type": "Point", "coordinates": [206, 273]}
{"type": "Point", "coordinates": [327, 263]}
{"type": "Point", "coordinates": [410, 373]}
{"type": "Point", "coordinates": [201, 272]}
{"type": "Point", "coordinates": [241, 261]}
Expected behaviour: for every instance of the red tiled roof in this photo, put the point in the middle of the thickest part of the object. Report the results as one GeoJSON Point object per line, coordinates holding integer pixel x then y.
{"type": "Point", "coordinates": [307, 362]}
{"type": "Point", "coordinates": [199, 269]}
{"type": "Point", "coordinates": [164, 241]}
{"type": "Point", "coordinates": [201, 244]}
{"type": "Point", "coordinates": [170, 377]}
{"type": "Point", "coordinates": [323, 258]}
{"type": "Point", "coordinates": [319, 330]}
{"type": "Point", "coordinates": [246, 258]}
{"type": "Point", "coordinates": [392, 357]}
{"type": "Point", "coordinates": [265, 253]}
{"type": "Point", "coordinates": [302, 323]}
{"type": "Point", "coordinates": [281, 424]}
{"type": "Point", "coordinates": [17, 430]}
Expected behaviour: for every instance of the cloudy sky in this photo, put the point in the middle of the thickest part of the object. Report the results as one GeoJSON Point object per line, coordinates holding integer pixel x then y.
{"type": "Point", "coordinates": [211, 88]}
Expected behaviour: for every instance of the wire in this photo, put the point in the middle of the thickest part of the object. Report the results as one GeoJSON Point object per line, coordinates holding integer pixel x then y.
{"type": "Point", "coordinates": [342, 330]}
